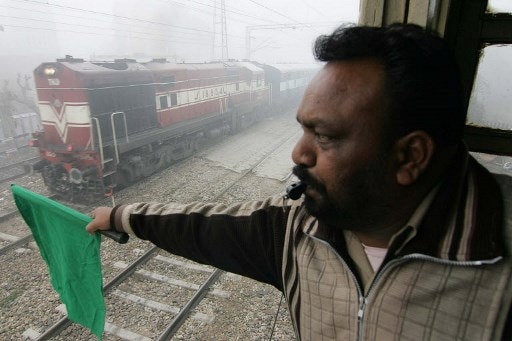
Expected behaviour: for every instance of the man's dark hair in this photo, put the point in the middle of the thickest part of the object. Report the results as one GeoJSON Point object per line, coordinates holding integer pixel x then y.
{"type": "Point", "coordinates": [422, 77]}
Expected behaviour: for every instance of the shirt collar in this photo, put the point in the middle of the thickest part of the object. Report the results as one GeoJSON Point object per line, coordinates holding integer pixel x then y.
{"type": "Point", "coordinates": [409, 231]}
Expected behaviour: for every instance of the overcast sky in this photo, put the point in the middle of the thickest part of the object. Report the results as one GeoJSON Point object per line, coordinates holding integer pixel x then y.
{"type": "Point", "coordinates": [184, 29]}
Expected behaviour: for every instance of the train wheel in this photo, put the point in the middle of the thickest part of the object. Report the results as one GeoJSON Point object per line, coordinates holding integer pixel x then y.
{"type": "Point", "coordinates": [198, 144]}
{"type": "Point", "coordinates": [168, 157]}
{"type": "Point", "coordinates": [124, 178]}
{"type": "Point", "coordinates": [235, 123]}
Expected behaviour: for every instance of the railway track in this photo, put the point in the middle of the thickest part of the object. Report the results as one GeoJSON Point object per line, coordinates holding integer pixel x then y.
{"type": "Point", "coordinates": [16, 170]}
{"type": "Point", "coordinates": [202, 288]}
{"type": "Point", "coordinates": [16, 242]}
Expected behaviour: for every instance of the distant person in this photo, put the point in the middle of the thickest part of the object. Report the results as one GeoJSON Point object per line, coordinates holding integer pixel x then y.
{"type": "Point", "coordinates": [400, 234]}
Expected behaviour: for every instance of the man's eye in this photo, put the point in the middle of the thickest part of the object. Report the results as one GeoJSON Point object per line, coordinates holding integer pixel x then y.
{"type": "Point", "coordinates": [321, 138]}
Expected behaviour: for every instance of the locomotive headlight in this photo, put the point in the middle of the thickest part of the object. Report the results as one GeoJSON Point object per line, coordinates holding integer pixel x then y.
{"type": "Point", "coordinates": [49, 71]}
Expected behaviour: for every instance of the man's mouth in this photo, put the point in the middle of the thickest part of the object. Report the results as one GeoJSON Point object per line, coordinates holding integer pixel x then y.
{"type": "Point", "coordinates": [312, 186]}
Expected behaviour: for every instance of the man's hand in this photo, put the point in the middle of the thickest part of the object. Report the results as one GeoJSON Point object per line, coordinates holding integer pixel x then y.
{"type": "Point", "coordinates": [101, 220]}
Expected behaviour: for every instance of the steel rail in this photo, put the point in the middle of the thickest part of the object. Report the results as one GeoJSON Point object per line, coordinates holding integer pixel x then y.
{"type": "Point", "coordinates": [20, 163]}
{"type": "Point", "coordinates": [179, 319]}
{"type": "Point", "coordinates": [13, 177]}
{"type": "Point", "coordinates": [16, 244]}
{"type": "Point", "coordinates": [64, 322]}
{"type": "Point", "coordinates": [8, 215]}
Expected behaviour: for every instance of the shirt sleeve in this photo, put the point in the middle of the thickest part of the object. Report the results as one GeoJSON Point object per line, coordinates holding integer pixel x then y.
{"type": "Point", "coordinates": [246, 238]}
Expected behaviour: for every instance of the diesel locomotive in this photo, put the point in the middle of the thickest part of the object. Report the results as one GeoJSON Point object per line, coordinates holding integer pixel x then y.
{"type": "Point", "coordinates": [108, 124]}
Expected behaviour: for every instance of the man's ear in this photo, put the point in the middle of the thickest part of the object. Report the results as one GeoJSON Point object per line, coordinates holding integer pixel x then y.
{"type": "Point", "coordinates": [413, 154]}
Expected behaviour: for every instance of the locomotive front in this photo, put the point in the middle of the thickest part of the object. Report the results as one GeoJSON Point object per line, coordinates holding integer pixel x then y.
{"type": "Point", "coordinates": [77, 127]}
{"type": "Point", "coordinates": [68, 163]}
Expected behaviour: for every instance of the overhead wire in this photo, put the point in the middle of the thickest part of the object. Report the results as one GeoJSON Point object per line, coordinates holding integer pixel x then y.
{"type": "Point", "coordinates": [272, 10]}
{"type": "Point", "coordinates": [79, 32]}
{"type": "Point", "coordinates": [132, 33]}
{"type": "Point", "coordinates": [89, 19]}
{"type": "Point", "coordinates": [117, 16]}
{"type": "Point", "coordinates": [86, 26]}
{"type": "Point", "coordinates": [237, 12]}
{"type": "Point", "coordinates": [313, 27]}
{"type": "Point", "coordinates": [102, 34]}
{"type": "Point", "coordinates": [313, 8]}
{"type": "Point", "coordinates": [184, 30]}
{"type": "Point", "coordinates": [286, 32]}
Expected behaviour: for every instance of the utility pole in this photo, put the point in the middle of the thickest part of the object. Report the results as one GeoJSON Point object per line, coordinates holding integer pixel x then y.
{"type": "Point", "coordinates": [223, 29]}
{"type": "Point", "coordinates": [214, 29]}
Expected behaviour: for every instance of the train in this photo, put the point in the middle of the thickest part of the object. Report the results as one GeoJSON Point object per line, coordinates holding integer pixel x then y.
{"type": "Point", "coordinates": [109, 124]}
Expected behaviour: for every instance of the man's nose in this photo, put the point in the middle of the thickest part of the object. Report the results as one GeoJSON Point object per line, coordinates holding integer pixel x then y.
{"type": "Point", "coordinates": [303, 152]}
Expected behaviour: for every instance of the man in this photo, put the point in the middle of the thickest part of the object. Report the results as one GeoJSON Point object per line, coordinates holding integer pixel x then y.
{"type": "Point", "coordinates": [400, 232]}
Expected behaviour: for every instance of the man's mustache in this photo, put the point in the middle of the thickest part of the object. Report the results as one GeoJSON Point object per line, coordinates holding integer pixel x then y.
{"type": "Point", "coordinates": [301, 172]}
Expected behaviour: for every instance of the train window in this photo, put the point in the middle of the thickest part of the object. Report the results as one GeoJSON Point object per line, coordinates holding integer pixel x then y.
{"type": "Point", "coordinates": [183, 97]}
{"type": "Point", "coordinates": [174, 99]}
{"type": "Point", "coordinates": [491, 98]}
{"type": "Point", "coordinates": [163, 102]}
{"type": "Point", "coordinates": [500, 6]}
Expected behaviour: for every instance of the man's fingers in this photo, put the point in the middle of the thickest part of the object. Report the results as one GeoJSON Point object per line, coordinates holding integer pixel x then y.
{"type": "Point", "coordinates": [101, 219]}
{"type": "Point", "coordinates": [91, 227]}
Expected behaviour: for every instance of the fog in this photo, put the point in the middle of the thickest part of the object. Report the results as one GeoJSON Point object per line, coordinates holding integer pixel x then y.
{"type": "Point", "coordinates": [267, 31]}
{"type": "Point", "coordinates": [184, 31]}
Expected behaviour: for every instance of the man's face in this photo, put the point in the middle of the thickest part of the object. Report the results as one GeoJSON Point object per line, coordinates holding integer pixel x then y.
{"type": "Point", "coordinates": [342, 156]}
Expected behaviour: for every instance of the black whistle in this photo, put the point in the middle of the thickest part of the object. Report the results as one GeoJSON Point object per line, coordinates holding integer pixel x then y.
{"type": "Point", "coordinates": [120, 237]}
{"type": "Point", "coordinates": [295, 190]}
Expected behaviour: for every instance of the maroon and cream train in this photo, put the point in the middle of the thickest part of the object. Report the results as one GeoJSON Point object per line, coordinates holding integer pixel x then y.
{"type": "Point", "coordinates": [111, 123]}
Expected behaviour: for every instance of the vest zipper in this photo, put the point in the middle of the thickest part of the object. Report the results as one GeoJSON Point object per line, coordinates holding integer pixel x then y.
{"type": "Point", "coordinates": [363, 300]}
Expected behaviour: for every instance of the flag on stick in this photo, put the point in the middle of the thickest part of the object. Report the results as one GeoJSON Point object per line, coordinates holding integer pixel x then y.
{"type": "Point", "coordinates": [71, 254]}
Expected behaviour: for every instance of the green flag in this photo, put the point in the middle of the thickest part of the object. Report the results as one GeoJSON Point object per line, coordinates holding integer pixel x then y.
{"type": "Point", "coordinates": [72, 256]}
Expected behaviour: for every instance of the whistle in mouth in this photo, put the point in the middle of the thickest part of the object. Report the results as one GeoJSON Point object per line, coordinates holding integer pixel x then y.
{"type": "Point", "coordinates": [295, 190]}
